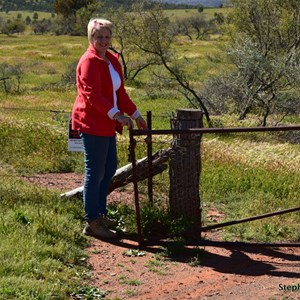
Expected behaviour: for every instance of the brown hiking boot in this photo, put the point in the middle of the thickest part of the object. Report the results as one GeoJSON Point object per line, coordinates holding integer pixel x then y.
{"type": "Point", "coordinates": [110, 223]}
{"type": "Point", "coordinates": [98, 229]}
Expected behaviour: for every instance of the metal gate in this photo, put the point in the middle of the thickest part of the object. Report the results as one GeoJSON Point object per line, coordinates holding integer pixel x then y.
{"type": "Point", "coordinates": [194, 131]}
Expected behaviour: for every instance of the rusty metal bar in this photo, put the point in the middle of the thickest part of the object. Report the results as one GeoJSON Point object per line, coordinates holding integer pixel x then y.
{"type": "Point", "coordinates": [135, 186]}
{"type": "Point", "coordinates": [136, 132]}
{"type": "Point", "coordinates": [280, 212]}
{"type": "Point", "coordinates": [225, 244]}
{"type": "Point", "coordinates": [149, 153]}
{"type": "Point", "coordinates": [200, 242]}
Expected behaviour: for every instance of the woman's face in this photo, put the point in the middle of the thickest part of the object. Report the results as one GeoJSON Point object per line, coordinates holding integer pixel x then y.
{"type": "Point", "coordinates": [101, 40]}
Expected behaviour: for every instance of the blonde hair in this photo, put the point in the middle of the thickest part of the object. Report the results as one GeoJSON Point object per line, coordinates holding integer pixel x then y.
{"type": "Point", "coordinates": [96, 24]}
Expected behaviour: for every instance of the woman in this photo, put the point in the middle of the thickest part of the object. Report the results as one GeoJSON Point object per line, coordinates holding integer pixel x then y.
{"type": "Point", "coordinates": [98, 112]}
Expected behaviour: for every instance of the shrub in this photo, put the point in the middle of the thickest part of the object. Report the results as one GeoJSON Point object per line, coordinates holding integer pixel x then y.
{"type": "Point", "coordinates": [11, 76]}
{"type": "Point", "coordinates": [14, 26]}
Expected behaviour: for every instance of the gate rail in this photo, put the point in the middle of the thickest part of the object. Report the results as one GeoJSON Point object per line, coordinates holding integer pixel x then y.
{"type": "Point", "coordinates": [149, 133]}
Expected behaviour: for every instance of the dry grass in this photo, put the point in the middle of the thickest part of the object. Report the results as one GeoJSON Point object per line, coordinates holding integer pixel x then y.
{"type": "Point", "coordinates": [254, 154]}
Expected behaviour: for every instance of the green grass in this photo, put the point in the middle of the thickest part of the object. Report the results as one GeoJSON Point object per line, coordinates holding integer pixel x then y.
{"type": "Point", "coordinates": [41, 250]}
{"type": "Point", "coordinates": [243, 186]}
{"type": "Point", "coordinates": [24, 14]}
{"type": "Point", "coordinates": [186, 13]}
{"type": "Point", "coordinates": [30, 148]}
{"type": "Point", "coordinates": [126, 281]}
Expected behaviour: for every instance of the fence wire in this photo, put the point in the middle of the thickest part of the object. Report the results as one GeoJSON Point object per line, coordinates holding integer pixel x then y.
{"type": "Point", "coordinates": [226, 163]}
{"type": "Point", "coordinates": [238, 172]}
{"type": "Point", "coordinates": [44, 139]}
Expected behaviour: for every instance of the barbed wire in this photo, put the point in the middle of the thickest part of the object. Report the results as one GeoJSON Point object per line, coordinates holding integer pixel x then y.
{"type": "Point", "coordinates": [38, 177]}
{"type": "Point", "coordinates": [63, 111]}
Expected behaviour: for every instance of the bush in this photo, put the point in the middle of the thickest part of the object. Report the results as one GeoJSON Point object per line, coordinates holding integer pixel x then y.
{"type": "Point", "coordinates": [10, 76]}
{"type": "Point", "coordinates": [12, 27]}
{"type": "Point", "coordinates": [69, 77]}
{"type": "Point", "coordinates": [41, 27]}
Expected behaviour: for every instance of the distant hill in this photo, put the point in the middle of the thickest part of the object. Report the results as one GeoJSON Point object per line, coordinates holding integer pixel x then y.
{"type": "Point", "coordinates": [32, 5]}
{"type": "Point", "coordinates": [47, 5]}
{"type": "Point", "coordinates": [205, 3]}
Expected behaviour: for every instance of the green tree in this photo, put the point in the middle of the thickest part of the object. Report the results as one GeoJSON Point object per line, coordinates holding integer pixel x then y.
{"type": "Point", "coordinates": [272, 28]}
{"type": "Point", "coordinates": [200, 8]}
{"type": "Point", "coordinates": [13, 26]}
{"type": "Point", "coordinates": [195, 26]}
{"type": "Point", "coordinates": [264, 47]}
{"type": "Point", "coordinates": [67, 8]}
{"type": "Point", "coordinates": [28, 20]}
{"type": "Point", "coordinates": [35, 16]}
{"type": "Point", "coordinates": [41, 27]}
{"type": "Point", "coordinates": [134, 60]}
{"type": "Point", "coordinates": [145, 38]}
{"type": "Point", "coordinates": [1, 22]}
{"type": "Point", "coordinates": [83, 15]}
{"type": "Point", "coordinates": [153, 34]}
{"type": "Point", "coordinates": [73, 15]}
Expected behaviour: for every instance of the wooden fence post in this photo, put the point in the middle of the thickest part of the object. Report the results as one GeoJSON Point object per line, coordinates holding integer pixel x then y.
{"type": "Point", "coordinates": [185, 168]}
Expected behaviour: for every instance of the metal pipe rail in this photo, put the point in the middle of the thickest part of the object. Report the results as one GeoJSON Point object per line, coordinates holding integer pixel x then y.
{"type": "Point", "coordinates": [149, 133]}
{"type": "Point", "coordinates": [137, 132]}
{"type": "Point", "coordinates": [280, 212]}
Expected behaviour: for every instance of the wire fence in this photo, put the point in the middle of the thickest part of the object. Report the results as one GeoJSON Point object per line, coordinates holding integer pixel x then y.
{"type": "Point", "coordinates": [220, 167]}
{"type": "Point", "coordinates": [29, 134]}
{"type": "Point", "coordinates": [185, 166]}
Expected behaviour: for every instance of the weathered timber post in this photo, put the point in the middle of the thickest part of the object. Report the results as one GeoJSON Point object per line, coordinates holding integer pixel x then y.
{"type": "Point", "coordinates": [185, 168]}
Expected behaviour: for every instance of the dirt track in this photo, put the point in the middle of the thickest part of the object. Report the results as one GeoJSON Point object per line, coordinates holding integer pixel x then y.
{"type": "Point", "coordinates": [244, 273]}
{"type": "Point", "coordinates": [205, 273]}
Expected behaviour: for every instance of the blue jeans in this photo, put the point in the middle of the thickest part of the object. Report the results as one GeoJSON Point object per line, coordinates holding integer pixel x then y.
{"type": "Point", "coordinates": [100, 159]}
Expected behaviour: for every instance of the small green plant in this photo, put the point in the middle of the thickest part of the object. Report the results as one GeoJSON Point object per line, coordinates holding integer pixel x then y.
{"type": "Point", "coordinates": [126, 281]}
{"type": "Point", "coordinates": [22, 218]}
{"type": "Point", "coordinates": [157, 265]}
{"type": "Point", "coordinates": [11, 77]}
{"type": "Point", "coordinates": [134, 253]}
{"type": "Point", "coordinates": [131, 293]}
{"type": "Point", "coordinates": [154, 263]}
{"type": "Point", "coordinates": [69, 77]}
{"type": "Point", "coordinates": [88, 293]}
{"type": "Point", "coordinates": [95, 251]}
{"type": "Point", "coordinates": [176, 247]}
{"type": "Point", "coordinates": [195, 261]}
{"type": "Point", "coordinates": [64, 51]}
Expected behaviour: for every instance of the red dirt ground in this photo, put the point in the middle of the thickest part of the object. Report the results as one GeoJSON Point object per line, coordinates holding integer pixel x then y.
{"type": "Point", "coordinates": [195, 273]}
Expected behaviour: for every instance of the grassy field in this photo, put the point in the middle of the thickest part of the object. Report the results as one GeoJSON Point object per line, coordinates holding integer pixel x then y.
{"type": "Point", "coordinates": [24, 14]}
{"type": "Point", "coordinates": [185, 13]}
{"type": "Point", "coordinates": [177, 13]}
{"type": "Point", "coordinates": [42, 251]}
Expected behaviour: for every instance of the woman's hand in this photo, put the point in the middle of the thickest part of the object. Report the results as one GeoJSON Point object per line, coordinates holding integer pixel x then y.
{"type": "Point", "coordinates": [141, 123]}
{"type": "Point", "coordinates": [125, 121]}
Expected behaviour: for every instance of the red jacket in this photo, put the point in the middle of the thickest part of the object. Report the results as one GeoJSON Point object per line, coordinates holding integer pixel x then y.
{"type": "Point", "coordinates": [95, 95]}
